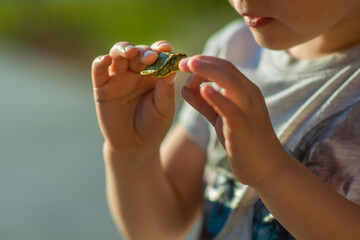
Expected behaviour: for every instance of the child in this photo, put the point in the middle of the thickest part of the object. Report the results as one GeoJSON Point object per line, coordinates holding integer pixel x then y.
{"type": "Point", "coordinates": [280, 153]}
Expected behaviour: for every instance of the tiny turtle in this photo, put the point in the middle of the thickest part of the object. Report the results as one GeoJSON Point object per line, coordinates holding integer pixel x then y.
{"type": "Point", "coordinates": [166, 64]}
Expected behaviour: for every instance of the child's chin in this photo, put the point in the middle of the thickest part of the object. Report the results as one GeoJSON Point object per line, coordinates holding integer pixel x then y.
{"type": "Point", "coordinates": [274, 41]}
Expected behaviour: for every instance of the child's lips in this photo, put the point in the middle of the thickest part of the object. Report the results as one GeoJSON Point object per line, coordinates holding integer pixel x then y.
{"type": "Point", "coordinates": [257, 22]}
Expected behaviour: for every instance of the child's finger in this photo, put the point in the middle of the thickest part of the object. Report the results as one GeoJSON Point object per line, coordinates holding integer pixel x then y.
{"type": "Point", "coordinates": [121, 52]}
{"type": "Point", "coordinates": [220, 71]}
{"type": "Point", "coordinates": [223, 106]}
{"type": "Point", "coordinates": [195, 78]}
{"type": "Point", "coordinates": [100, 70]}
{"type": "Point", "coordinates": [164, 96]}
{"type": "Point", "coordinates": [235, 85]}
{"type": "Point", "coordinates": [146, 56]}
{"type": "Point", "coordinates": [183, 65]}
{"type": "Point", "coordinates": [193, 97]}
{"type": "Point", "coordinates": [162, 46]}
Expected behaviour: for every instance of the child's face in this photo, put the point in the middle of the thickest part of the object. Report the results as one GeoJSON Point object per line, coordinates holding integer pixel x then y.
{"type": "Point", "coordinates": [282, 24]}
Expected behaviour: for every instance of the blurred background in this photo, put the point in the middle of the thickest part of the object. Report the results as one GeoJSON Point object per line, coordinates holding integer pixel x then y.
{"type": "Point", "coordinates": [52, 182]}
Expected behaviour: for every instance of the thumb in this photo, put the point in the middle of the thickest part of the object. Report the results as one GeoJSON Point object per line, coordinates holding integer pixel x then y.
{"type": "Point", "coordinates": [164, 96]}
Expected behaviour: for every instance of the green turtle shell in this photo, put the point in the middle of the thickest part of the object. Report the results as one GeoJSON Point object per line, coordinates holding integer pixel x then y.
{"type": "Point", "coordinates": [166, 64]}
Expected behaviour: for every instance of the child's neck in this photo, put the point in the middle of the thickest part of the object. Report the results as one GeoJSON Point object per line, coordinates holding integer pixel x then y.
{"type": "Point", "coordinates": [318, 48]}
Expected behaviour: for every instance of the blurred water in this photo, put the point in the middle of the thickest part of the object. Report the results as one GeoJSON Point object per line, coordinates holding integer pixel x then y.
{"type": "Point", "coordinates": [51, 170]}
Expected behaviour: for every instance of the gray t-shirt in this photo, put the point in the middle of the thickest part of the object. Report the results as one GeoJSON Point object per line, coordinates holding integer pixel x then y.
{"type": "Point", "coordinates": [314, 106]}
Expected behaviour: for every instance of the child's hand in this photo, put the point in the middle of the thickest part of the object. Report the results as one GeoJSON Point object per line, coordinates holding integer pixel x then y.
{"type": "Point", "coordinates": [134, 111]}
{"type": "Point", "coordinates": [239, 115]}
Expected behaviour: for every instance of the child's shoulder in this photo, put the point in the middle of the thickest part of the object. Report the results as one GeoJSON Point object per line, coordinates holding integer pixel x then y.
{"type": "Point", "coordinates": [235, 43]}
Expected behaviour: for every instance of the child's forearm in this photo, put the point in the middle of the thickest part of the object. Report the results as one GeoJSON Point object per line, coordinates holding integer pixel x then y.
{"type": "Point", "coordinates": [142, 201]}
{"type": "Point", "coordinates": [307, 207]}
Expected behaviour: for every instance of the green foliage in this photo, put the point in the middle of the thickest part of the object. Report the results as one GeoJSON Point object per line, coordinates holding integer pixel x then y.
{"type": "Point", "coordinates": [88, 28]}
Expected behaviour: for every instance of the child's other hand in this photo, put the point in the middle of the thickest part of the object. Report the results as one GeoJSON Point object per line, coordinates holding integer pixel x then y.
{"type": "Point", "coordinates": [239, 115]}
{"type": "Point", "coordinates": [134, 111]}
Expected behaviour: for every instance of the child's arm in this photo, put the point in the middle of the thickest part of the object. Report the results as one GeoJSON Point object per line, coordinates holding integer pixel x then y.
{"type": "Point", "coordinates": [307, 207]}
{"type": "Point", "coordinates": [148, 197]}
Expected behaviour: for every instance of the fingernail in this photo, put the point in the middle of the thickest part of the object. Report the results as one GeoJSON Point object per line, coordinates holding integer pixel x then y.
{"type": "Point", "coordinates": [100, 58]}
{"type": "Point", "coordinates": [149, 53]}
{"type": "Point", "coordinates": [183, 62]}
{"type": "Point", "coordinates": [164, 45]}
{"type": "Point", "coordinates": [204, 83]}
{"type": "Point", "coordinates": [209, 90]}
{"type": "Point", "coordinates": [128, 47]}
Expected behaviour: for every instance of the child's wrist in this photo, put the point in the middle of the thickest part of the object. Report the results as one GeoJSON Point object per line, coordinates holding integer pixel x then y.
{"type": "Point", "coordinates": [139, 157]}
{"type": "Point", "coordinates": [281, 168]}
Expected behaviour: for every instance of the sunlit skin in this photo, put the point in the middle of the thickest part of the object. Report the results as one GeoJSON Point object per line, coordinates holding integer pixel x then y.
{"type": "Point", "coordinates": [309, 29]}
{"type": "Point", "coordinates": [156, 193]}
